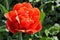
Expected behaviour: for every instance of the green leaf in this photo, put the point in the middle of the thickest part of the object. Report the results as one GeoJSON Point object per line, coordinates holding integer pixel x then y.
{"type": "Point", "coordinates": [54, 30]}
{"type": "Point", "coordinates": [33, 3]}
{"type": "Point", "coordinates": [42, 16]}
{"type": "Point", "coordinates": [7, 4]}
{"type": "Point", "coordinates": [1, 1]}
{"type": "Point", "coordinates": [45, 38]}
{"type": "Point", "coordinates": [10, 1]}
{"type": "Point", "coordinates": [3, 9]}
{"type": "Point", "coordinates": [49, 38]}
{"type": "Point", "coordinates": [46, 32]}
{"type": "Point", "coordinates": [1, 37]}
{"type": "Point", "coordinates": [3, 29]}
{"type": "Point", "coordinates": [20, 36]}
{"type": "Point", "coordinates": [27, 37]}
{"type": "Point", "coordinates": [2, 22]}
{"type": "Point", "coordinates": [54, 38]}
{"type": "Point", "coordinates": [9, 38]}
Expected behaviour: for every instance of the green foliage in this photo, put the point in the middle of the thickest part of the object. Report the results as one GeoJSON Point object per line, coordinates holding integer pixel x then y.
{"type": "Point", "coordinates": [3, 9]}
{"type": "Point", "coordinates": [54, 29]}
{"type": "Point", "coordinates": [46, 32]}
{"type": "Point", "coordinates": [50, 19]}
{"type": "Point", "coordinates": [42, 16]}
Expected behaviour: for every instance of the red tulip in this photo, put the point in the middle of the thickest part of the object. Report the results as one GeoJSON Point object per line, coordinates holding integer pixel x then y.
{"type": "Point", "coordinates": [23, 18]}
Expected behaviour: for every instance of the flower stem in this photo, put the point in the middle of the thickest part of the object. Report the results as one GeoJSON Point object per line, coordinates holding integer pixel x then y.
{"type": "Point", "coordinates": [19, 36]}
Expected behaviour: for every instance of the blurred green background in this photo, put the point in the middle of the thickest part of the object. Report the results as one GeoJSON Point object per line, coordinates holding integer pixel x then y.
{"type": "Point", "coordinates": [50, 18]}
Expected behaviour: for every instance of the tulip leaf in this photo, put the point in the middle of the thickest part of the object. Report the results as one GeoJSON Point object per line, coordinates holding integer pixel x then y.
{"type": "Point", "coordinates": [7, 4]}
{"type": "Point", "coordinates": [42, 16]}
{"type": "Point", "coordinates": [3, 9]}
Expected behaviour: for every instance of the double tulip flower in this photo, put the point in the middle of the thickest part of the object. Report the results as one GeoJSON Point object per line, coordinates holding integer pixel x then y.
{"type": "Point", "coordinates": [23, 18]}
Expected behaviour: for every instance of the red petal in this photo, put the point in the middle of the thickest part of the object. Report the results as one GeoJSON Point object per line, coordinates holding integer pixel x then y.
{"type": "Point", "coordinates": [11, 15]}
{"type": "Point", "coordinates": [17, 6]}
{"type": "Point", "coordinates": [10, 27]}
{"type": "Point", "coordinates": [36, 14]}
{"type": "Point", "coordinates": [7, 16]}
{"type": "Point", "coordinates": [38, 28]}
{"type": "Point", "coordinates": [28, 5]}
